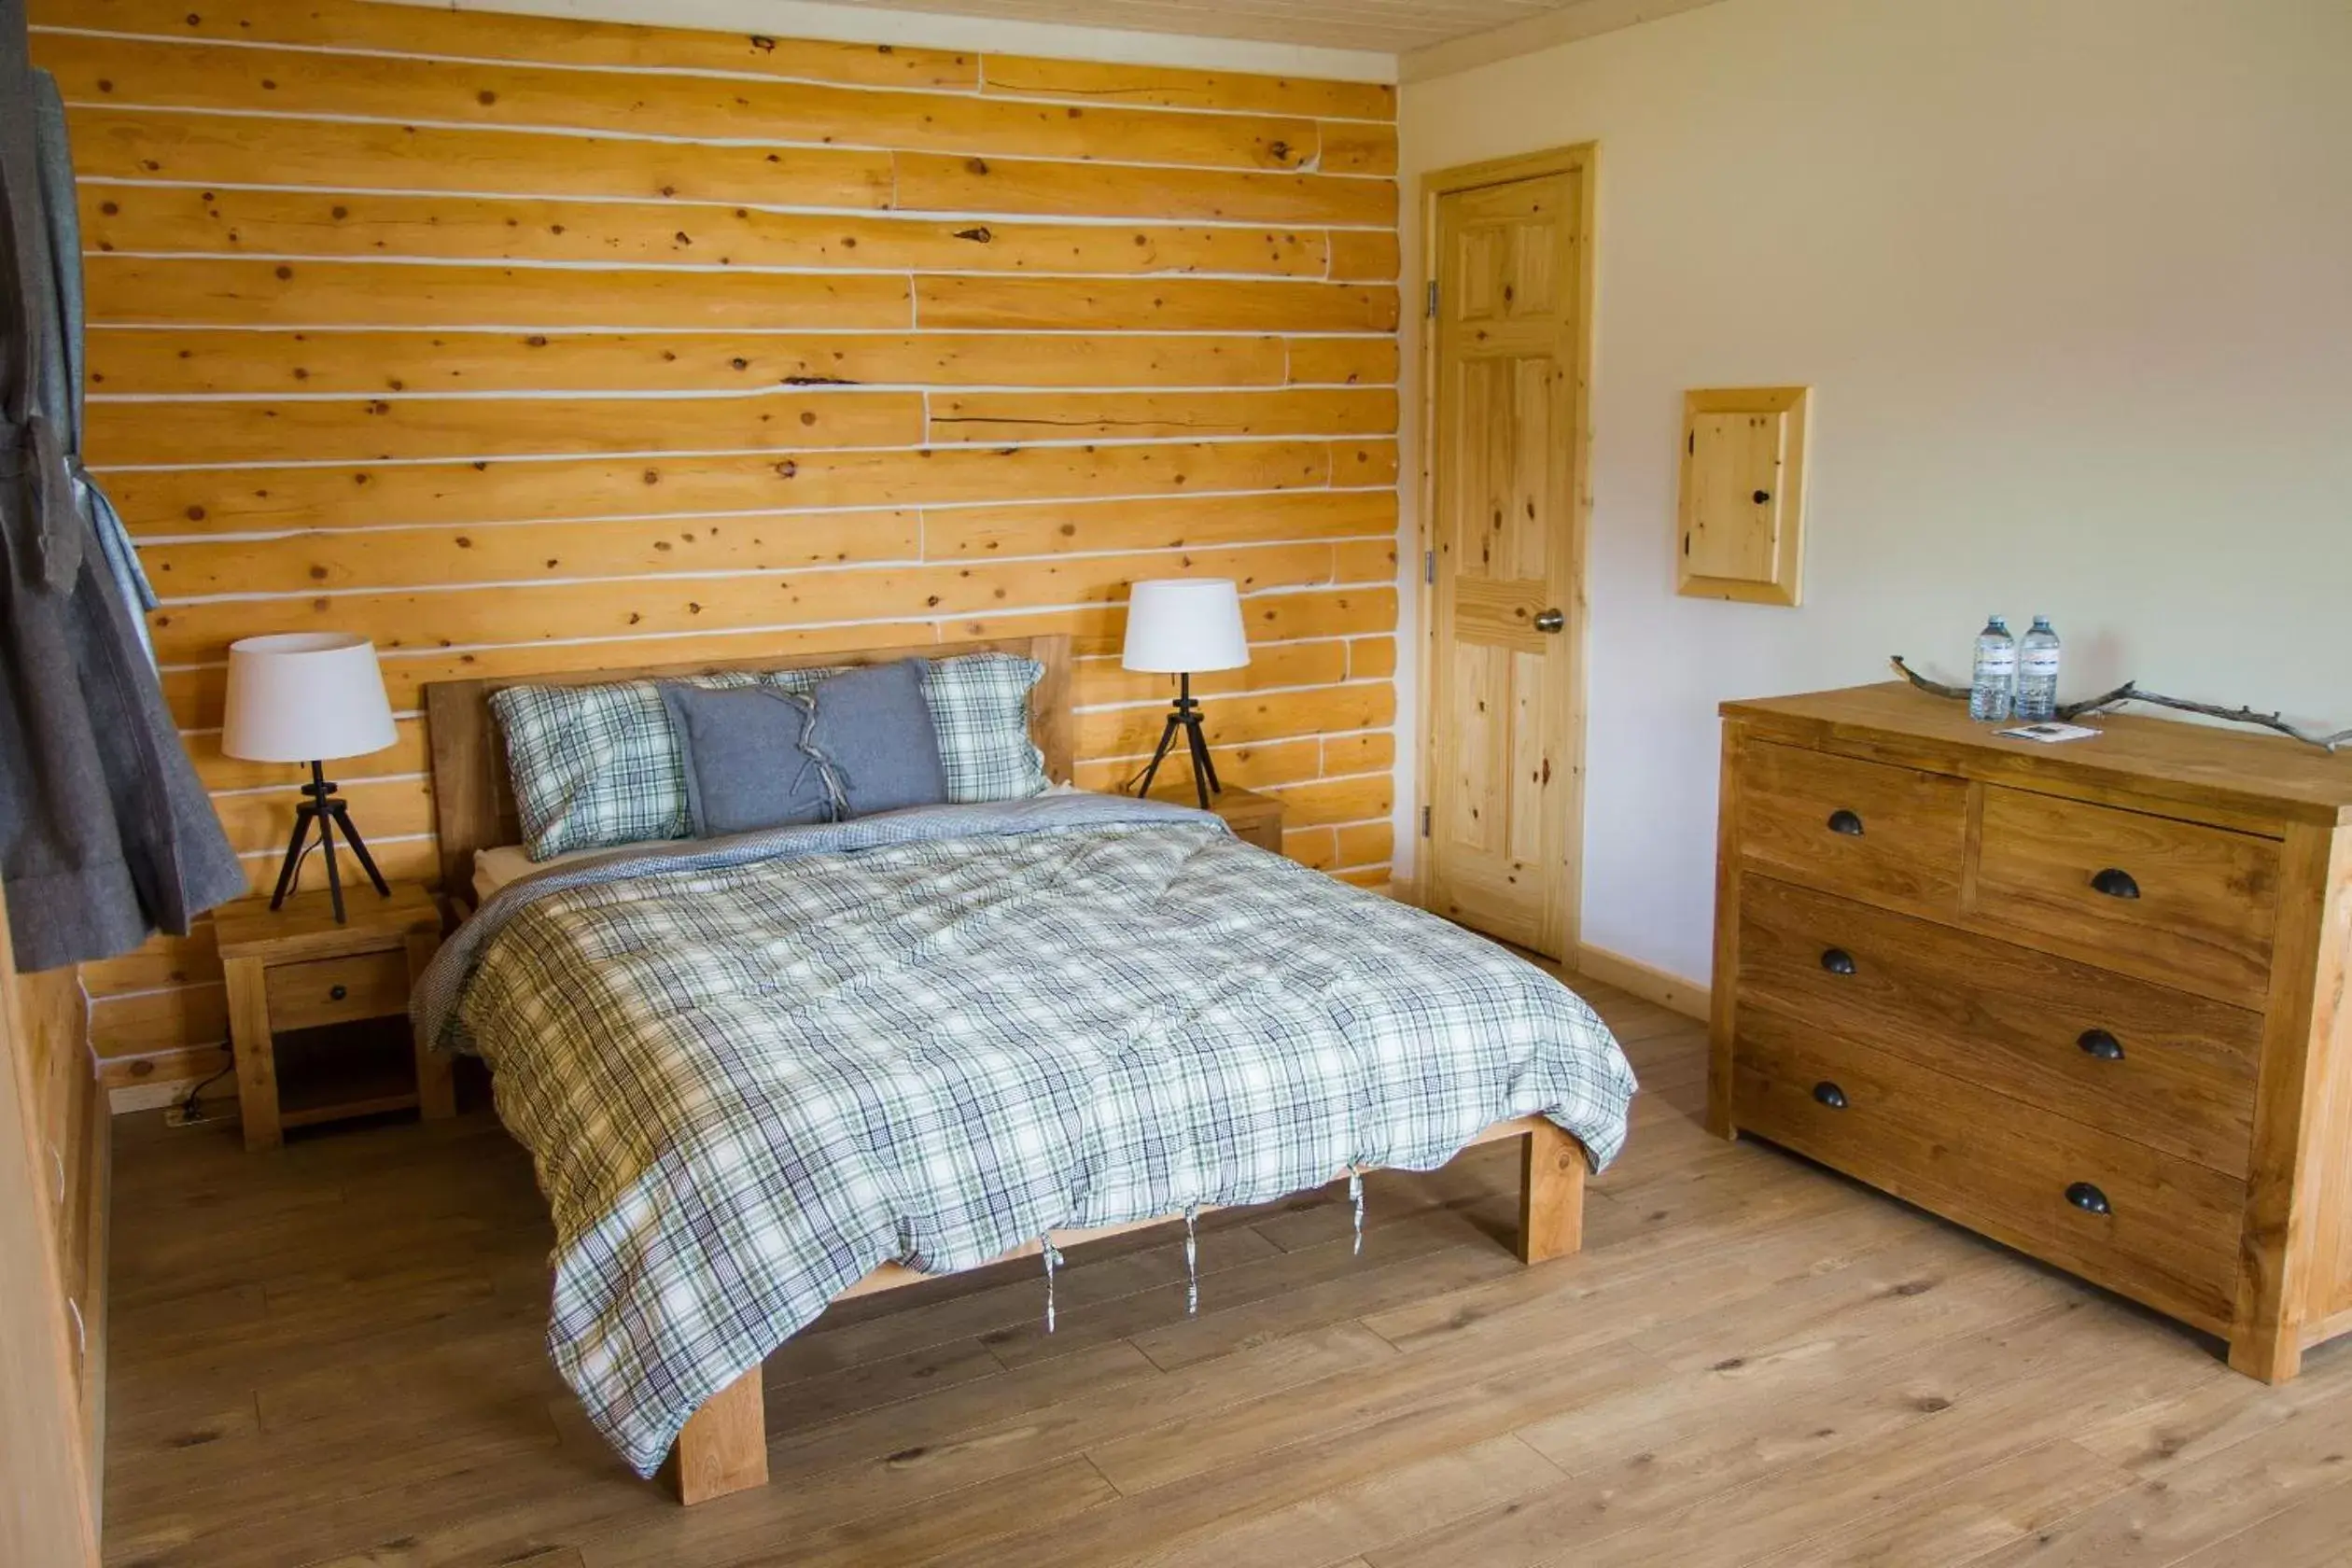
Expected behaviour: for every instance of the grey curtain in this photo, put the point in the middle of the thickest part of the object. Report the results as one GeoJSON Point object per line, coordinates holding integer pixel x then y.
{"type": "Point", "coordinates": [105, 831]}
{"type": "Point", "coordinates": [62, 368]}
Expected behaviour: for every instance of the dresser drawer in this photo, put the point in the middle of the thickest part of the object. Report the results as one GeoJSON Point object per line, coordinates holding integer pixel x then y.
{"type": "Point", "coordinates": [1867, 829]}
{"type": "Point", "coordinates": [2190, 906]}
{"type": "Point", "coordinates": [2158, 1066]}
{"type": "Point", "coordinates": [2160, 1230]}
{"type": "Point", "coordinates": [337, 990]}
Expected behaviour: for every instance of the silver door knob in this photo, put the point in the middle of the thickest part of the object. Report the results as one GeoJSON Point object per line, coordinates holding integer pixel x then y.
{"type": "Point", "coordinates": [1551, 620]}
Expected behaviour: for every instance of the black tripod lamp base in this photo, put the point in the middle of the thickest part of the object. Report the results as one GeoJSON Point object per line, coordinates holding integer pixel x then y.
{"type": "Point", "coordinates": [323, 810]}
{"type": "Point", "coordinates": [1185, 718]}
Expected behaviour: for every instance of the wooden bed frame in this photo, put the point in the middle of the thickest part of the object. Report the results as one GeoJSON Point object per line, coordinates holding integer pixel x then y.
{"type": "Point", "coordinates": [723, 1447]}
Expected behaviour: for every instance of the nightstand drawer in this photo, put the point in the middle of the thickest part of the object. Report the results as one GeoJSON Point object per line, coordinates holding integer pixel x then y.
{"type": "Point", "coordinates": [337, 990]}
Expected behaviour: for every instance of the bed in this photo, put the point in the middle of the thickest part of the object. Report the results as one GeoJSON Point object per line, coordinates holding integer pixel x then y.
{"type": "Point", "coordinates": [762, 1073]}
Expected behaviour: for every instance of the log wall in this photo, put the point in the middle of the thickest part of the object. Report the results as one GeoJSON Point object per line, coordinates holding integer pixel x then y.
{"type": "Point", "coordinates": [516, 343]}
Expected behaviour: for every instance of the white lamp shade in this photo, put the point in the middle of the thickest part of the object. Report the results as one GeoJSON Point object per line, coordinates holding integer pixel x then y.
{"type": "Point", "coordinates": [305, 697]}
{"type": "Point", "coordinates": [1181, 626]}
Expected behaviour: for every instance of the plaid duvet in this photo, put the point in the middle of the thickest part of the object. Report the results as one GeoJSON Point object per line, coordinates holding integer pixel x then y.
{"type": "Point", "coordinates": [750, 1071]}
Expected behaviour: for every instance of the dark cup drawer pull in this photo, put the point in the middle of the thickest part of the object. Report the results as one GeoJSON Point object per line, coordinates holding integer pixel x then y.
{"type": "Point", "coordinates": [1846, 822]}
{"type": "Point", "coordinates": [2088, 1199]}
{"type": "Point", "coordinates": [1829, 1095]}
{"type": "Point", "coordinates": [2115, 883]}
{"type": "Point", "coordinates": [2098, 1042]}
{"type": "Point", "coordinates": [1837, 960]}
{"type": "Point", "coordinates": [336, 993]}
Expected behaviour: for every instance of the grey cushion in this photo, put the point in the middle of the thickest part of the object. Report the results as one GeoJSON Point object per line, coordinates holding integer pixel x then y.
{"type": "Point", "coordinates": [747, 761]}
{"type": "Point", "coordinates": [980, 709]}
{"type": "Point", "coordinates": [875, 731]}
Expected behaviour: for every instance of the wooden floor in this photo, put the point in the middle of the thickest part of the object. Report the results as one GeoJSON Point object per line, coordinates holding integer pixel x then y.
{"type": "Point", "coordinates": [334, 1356]}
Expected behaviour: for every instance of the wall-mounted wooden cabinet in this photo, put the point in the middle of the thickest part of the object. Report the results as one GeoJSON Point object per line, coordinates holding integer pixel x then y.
{"type": "Point", "coordinates": [1743, 515]}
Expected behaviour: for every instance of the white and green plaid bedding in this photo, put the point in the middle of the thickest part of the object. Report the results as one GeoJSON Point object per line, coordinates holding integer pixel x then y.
{"type": "Point", "coordinates": [751, 1070]}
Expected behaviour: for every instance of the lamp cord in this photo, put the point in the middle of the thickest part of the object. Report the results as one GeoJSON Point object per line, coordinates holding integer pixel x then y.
{"type": "Point", "coordinates": [309, 849]}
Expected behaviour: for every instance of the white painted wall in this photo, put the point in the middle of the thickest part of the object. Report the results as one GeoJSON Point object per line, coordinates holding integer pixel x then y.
{"type": "Point", "coordinates": [2072, 280]}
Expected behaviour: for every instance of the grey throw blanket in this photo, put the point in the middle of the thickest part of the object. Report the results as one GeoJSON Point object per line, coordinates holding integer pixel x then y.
{"type": "Point", "coordinates": [750, 1072]}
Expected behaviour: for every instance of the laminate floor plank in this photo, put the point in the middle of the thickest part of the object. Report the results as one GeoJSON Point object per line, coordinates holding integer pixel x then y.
{"type": "Point", "coordinates": [2190, 1505]}
{"type": "Point", "coordinates": [334, 1356]}
{"type": "Point", "coordinates": [2311, 1534]}
{"type": "Point", "coordinates": [2004, 1502]}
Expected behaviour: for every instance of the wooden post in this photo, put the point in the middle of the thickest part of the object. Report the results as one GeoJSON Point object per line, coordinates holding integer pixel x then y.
{"type": "Point", "coordinates": [255, 1052]}
{"type": "Point", "coordinates": [723, 1446]}
{"type": "Point", "coordinates": [1723, 1010]}
{"type": "Point", "coordinates": [1552, 1194]}
{"type": "Point", "coordinates": [436, 1080]}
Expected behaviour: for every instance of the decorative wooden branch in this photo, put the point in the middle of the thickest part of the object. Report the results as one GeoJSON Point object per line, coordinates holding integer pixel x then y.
{"type": "Point", "coordinates": [1933, 688]}
{"type": "Point", "coordinates": [2130, 693]}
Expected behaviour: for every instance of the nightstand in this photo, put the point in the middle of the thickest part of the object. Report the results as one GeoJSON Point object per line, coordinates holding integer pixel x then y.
{"type": "Point", "coordinates": [296, 970]}
{"type": "Point", "coordinates": [1254, 819]}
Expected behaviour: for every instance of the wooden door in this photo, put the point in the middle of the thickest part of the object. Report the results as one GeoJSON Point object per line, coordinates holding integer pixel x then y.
{"type": "Point", "coordinates": [1505, 564]}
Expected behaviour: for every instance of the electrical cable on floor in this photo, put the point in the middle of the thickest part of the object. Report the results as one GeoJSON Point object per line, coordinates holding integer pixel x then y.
{"type": "Point", "coordinates": [189, 1110]}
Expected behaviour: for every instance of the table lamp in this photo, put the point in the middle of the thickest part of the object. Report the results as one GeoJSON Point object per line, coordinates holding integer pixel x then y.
{"type": "Point", "coordinates": [309, 697]}
{"type": "Point", "coordinates": [1184, 626]}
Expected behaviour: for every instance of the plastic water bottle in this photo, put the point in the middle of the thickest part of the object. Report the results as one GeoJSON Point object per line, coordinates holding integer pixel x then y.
{"type": "Point", "coordinates": [2038, 674]}
{"type": "Point", "coordinates": [1993, 687]}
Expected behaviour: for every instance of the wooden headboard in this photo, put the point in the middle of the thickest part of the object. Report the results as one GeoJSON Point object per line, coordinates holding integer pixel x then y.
{"type": "Point", "coordinates": [473, 803]}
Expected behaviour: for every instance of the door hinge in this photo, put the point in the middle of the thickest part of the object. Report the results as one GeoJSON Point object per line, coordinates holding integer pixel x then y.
{"type": "Point", "coordinates": [1431, 309]}
{"type": "Point", "coordinates": [1425, 811]}
{"type": "Point", "coordinates": [1429, 567]}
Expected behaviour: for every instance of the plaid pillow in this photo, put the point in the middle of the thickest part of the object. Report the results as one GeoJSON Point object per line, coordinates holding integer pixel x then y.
{"type": "Point", "coordinates": [979, 706]}
{"type": "Point", "coordinates": [596, 767]}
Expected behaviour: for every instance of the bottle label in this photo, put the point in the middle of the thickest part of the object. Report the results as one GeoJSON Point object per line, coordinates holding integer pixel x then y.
{"type": "Point", "coordinates": [2040, 661]}
{"type": "Point", "coordinates": [1997, 660]}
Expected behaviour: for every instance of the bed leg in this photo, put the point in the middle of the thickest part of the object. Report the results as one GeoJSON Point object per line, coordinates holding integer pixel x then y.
{"type": "Point", "coordinates": [723, 1446]}
{"type": "Point", "coordinates": [1552, 1194]}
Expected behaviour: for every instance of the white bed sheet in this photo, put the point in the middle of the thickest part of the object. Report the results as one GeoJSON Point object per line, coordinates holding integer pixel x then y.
{"type": "Point", "coordinates": [492, 869]}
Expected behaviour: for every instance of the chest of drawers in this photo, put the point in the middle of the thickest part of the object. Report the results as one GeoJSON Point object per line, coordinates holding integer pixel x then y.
{"type": "Point", "coordinates": [2087, 1000]}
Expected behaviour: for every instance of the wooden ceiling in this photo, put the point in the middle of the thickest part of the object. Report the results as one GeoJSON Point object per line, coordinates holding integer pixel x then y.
{"type": "Point", "coordinates": [1382, 26]}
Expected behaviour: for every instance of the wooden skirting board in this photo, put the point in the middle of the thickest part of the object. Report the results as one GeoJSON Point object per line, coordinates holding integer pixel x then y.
{"type": "Point", "coordinates": [1690, 997]}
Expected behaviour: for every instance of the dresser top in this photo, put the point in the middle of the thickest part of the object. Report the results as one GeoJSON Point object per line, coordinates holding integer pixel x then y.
{"type": "Point", "coordinates": [2193, 765]}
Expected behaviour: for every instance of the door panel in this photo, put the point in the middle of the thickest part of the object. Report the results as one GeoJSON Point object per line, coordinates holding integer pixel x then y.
{"type": "Point", "coordinates": [1506, 459]}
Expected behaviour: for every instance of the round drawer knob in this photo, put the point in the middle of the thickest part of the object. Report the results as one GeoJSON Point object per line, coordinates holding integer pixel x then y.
{"type": "Point", "coordinates": [2098, 1042]}
{"type": "Point", "coordinates": [336, 993]}
{"type": "Point", "coordinates": [1837, 960]}
{"type": "Point", "coordinates": [1830, 1095]}
{"type": "Point", "coordinates": [2088, 1199]}
{"type": "Point", "coordinates": [1846, 822]}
